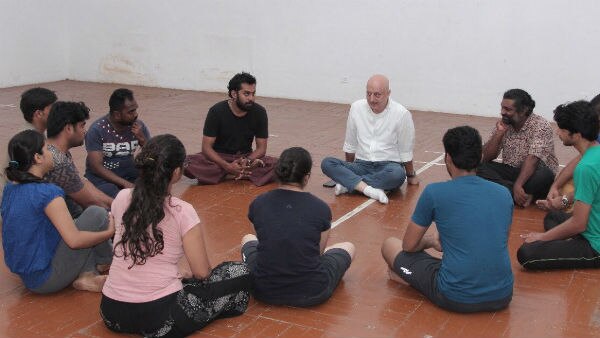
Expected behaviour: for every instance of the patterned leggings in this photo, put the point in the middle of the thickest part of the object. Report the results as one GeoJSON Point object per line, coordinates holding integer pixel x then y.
{"type": "Point", "coordinates": [223, 294]}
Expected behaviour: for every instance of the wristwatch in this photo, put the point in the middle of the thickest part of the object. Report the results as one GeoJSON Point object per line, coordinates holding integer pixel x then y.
{"type": "Point", "coordinates": [411, 173]}
{"type": "Point", "coordinates": [565, 201]}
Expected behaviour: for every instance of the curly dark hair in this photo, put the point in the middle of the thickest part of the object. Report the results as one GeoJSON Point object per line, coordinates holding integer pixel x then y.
{"type": "Point", "coordinates": [156, 162]}
{"type": "Point", "coordinates": [577, 117]}
{"type": "Point", "coordinates": [463, 144]}
{"type": "Point", "coordinates": [522, 100]}
{"type": "Point", "coordinates": [235, 84]}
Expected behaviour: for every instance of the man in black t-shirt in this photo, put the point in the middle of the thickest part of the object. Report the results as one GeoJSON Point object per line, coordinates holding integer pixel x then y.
{"type": "Point", "coordinates": [229, 130]}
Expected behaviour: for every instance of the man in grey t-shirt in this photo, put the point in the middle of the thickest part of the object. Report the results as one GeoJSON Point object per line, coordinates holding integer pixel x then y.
{"type": "Point", "coordinates": [66, 129]}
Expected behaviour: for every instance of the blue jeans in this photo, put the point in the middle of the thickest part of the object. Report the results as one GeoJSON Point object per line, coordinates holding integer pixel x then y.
{"type": "Point", "coordinates": [130, 174]}
{"type": "Point", "coordinates": [385, 175]}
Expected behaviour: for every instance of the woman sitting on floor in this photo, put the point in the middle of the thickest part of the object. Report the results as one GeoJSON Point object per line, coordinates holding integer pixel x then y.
{"type": "Point", "coordinates": [42, 243]}
{"type": "Point", "coordinates": [143, 293]}
{"type": "Point", "coordinates": [288, 260]}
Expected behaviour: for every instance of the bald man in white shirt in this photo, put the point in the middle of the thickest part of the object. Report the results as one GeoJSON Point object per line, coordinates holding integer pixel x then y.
{"type": "Point", "coordinates": [380, 137]}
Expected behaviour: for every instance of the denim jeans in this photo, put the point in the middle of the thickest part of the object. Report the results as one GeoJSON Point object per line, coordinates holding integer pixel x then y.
{"type": "Point", "coordinates": [386, 175]}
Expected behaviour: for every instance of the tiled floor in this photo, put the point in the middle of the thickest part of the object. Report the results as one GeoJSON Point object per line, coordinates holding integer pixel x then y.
{"type": "Point", "coordinates": [366, 304]}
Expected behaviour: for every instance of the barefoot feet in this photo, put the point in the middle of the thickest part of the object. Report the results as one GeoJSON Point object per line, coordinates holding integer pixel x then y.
{"type": "Point", "coordinates": [89, 281]}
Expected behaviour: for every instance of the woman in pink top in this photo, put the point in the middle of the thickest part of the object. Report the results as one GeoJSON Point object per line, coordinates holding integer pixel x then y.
{"type": "Point", "coordinates": [144, 293]}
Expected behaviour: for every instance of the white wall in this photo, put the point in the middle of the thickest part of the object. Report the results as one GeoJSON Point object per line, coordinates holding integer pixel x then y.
{"type": "Point", "coordinates": [452, 56]}
{"type": "Point", "coordinates": [34, 42]}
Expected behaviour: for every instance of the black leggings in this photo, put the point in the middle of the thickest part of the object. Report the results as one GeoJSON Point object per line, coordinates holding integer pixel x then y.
{"type": "Point", "coordinates": [223, 294]}
{"type": "Point", "coordinates": [537, 185]}
{"type": "Point", "coordinates": [571, 253]}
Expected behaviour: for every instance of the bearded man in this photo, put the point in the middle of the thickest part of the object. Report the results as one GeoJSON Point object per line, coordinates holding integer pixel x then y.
{"type": "Point", "coordinates": [527, 145]}
{"type": "Point", "coordinates": [230, 128]}
{"type": "Point", "coordinates": [111, 142]}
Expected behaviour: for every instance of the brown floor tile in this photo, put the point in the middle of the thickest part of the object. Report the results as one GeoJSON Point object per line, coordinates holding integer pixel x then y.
{"type": "Point", "coordinates": [367, 303]}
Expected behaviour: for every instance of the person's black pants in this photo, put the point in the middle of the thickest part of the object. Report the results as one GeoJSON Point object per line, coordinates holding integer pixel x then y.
{"type": "Point", "coordinates": [537, 185]}
{"type": "Point", "coordinates": [571, 253]}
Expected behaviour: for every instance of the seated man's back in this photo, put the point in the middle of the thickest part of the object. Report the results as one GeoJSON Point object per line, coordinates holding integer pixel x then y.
{"type": "Point", "coordinates": [473, 217]}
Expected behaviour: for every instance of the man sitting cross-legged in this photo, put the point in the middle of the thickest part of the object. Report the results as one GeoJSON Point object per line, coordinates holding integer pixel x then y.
{"type": "Point", "coordinates": [527, 146]}
{"type": "Point", "coordinates": [229, 130]}
{"type": "Point", "coordinates": [378, 145]}
{"type": "Point", "coordinates": [473, 218]}
{"type": "Point", "coordinates": [111, 142]}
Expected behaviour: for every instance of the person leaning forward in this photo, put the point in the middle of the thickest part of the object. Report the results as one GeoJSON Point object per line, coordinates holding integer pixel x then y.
{"type": "Point", "coordinates": [229, 129]}
{"type": "Point", "coordinates": [527, 145]}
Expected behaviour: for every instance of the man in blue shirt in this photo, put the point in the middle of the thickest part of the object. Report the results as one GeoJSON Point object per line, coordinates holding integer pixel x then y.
{"type": "Point", "coordinates": [473, 218]}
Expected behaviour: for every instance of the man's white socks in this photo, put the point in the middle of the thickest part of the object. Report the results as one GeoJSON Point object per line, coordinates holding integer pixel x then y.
{"type": "Point", "coordinates": [376, 194]}
{"type": "Point", "coordinates": [340, 189]}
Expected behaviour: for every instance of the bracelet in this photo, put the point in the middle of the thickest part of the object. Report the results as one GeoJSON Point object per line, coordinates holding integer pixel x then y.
{"type": "Point", "coordinates": [411, 174]}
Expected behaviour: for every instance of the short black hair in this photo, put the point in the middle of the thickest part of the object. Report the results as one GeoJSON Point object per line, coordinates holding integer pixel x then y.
{"type": "Point", "coordinates": [236, 81]}
{"type": "Point", "coordinates": [36, 99]}
{"type": "Point", "coordinates": [578, 117]}
{"type": "Point", "coordinates": [118, 98]}
{"type": "Point", "coordinates": [463, 144]}
{"type": "Point", "coordinates": [65, 113]}
{"type": "Point", "coordinates": [522, 99]}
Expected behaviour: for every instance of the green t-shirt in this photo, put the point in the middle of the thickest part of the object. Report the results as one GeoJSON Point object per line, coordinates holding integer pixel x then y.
{"type": "Point", "coordinates": [587, 190]}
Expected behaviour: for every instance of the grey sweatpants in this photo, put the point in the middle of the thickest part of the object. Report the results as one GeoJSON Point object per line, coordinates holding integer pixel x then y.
{"type": "Point", "coordinates": [68, 263]}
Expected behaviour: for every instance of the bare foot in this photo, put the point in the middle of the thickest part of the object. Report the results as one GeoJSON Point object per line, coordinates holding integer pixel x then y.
{"type": "Point", "coordinates": [89, 281]}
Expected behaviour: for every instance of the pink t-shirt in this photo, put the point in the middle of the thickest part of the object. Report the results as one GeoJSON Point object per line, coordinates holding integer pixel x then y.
{"type": "Point", "coordinates": [158, 276]}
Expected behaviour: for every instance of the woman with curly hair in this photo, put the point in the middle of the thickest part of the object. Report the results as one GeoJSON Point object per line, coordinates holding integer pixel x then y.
{"type": "Point", "coordinates": [143, 293]}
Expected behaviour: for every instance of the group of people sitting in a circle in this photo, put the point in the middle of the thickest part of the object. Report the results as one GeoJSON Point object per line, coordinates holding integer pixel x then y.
{"type": "Point", "coordinates": [60, 230]}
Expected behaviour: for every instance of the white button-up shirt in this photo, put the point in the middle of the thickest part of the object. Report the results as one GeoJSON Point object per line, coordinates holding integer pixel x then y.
{"type": "Point", "coordinates": [387, 136]}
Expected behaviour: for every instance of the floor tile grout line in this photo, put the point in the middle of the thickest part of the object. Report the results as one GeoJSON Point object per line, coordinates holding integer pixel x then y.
{"type": "Point", "coordinates": [371, 201]}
